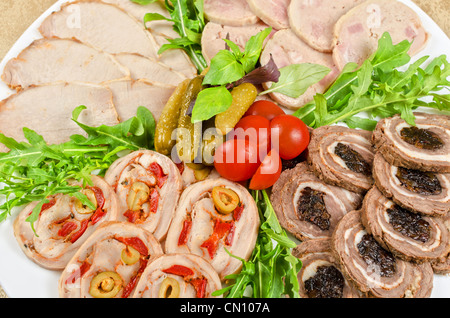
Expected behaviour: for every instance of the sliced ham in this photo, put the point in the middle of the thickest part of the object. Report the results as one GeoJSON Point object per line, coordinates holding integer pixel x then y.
{"type": "Point", "coordinates": [178, 276]}
{"type": "Point", "coordinates": [313, 21]}
{"type": "Point", "coordinates": [272, 12]}
{"type": "Point", "coordinates": [356, 34]}
{"type": "Point", "coordinates": [148, 186]}
{"type": "Point", "coordinates": [229, 12]}
{"type": "Point", "coordinates": [199, 228]}
{"type": "Point", "coordinates": [110, 263]}
{"type": "Point", "coordinates": [286, 48]}
{"type": "Point", "coordinates": [64, 224]}
{"type": "Point", "coordinates": [52, 60]}
{"type": "Point", "coordinates": [51, 111]}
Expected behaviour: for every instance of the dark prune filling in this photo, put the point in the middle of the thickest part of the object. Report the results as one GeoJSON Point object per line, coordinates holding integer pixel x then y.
{"type": "Point", "coordinates": [353, 159]}
{"type": "Point", "coordinates": [311, 208]}
{"type": "Point", "coordinates": [379, 260]}
{"type": "Point", "coordinates": [421, 138]}
{"type": "Point", "coordinates": [409, 224]}
{"type": "Point", "coordinates": [420, 182]}
{"type": "Point", "coordinates": [328, 282]}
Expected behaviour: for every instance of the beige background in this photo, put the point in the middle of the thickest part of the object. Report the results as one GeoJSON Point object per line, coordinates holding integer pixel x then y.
{"type": "Point", "coordinates": [17, 15]}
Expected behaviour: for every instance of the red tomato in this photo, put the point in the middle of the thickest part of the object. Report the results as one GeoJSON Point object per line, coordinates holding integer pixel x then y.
{"type": "Point", "coordinates": [237, 159]}
{"type": "Point", "coordinates": [265, 108]}
{"type": "Point", "coordinates": [290, 134]}
{"type": "Point", "coordinates": [256, 129]}
{"type": "Point", "coordinates": [268, 172]}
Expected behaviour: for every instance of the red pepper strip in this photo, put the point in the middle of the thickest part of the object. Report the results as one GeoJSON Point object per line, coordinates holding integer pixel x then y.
{"type": "Point", "coordinates": [183, 271]}
{"type": "Point", "coordinates": [187, 225]}
{"type": "Point", "coordinates": [132, 216]}
{"type": "Point", "coordinates": [78, 273]}
{"type": "Point", "coordinates": [179, 270]}
{"type": "Point", "coordinates": [238, 212]}
{"type": "Point", "coordinates": [98, 214]}
{"type": "Point", "coordinates": [200, 286]}
{"type": "Point", "coordinates": [154, 200]}
{"type": "Point", "coordinates": [220, 230]}
{"type": "Point", "coordinates": [67, 228]}
{"type": "Point", "coordinates": [77, 235]}
{"type": "Point", "coordinates": [135, 243]}
{"type": "Point", "coordinates": [98, 196]}
{"type": "Point", "coordinates": [158, 172]}
{"type": "Point", "coordinates": [45, 206]}
{"type": "Point", "coordinates": [180, 167]}
{"type": "Point", "coordinates": [230, 236]}
{"type": "Point", "coordinates": [133, 281]}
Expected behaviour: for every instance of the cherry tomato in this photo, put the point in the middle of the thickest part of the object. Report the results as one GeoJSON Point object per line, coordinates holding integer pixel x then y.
{"type": "Point", "coordinates": [256, 129]}
{"type": "Point", "coordinates": [290, 134]}
{"type": "Point", "coordinates": [268, 172]}
{"type": "Point", "coordinates": [237, 159]}
{"type": "Point", "coordinates": [265, 108]}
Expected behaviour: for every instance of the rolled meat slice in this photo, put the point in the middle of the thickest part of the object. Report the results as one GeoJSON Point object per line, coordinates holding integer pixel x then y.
{"type": "Point", "coordinates": [229, 12]}
{"type": "Point", "coordinates": [320, 275]}
{"type": "Point", "coordinates": [420, 191]}
{"type": "Point", "coordinates": [343, 157]}
{"type": "Point", "coordinates": [272, 12]}
{"type": "Point", "coordinates": [442, 266]}
{"type": "Point", "coordinates": [373, 269]}
{"type": "Point", "coordinates": [178, 276]}
{"type": "Point", "coordinates": [64, 224]}
{"type": "Point", "coordinates": [407, 235]}
{"type": "Point", "coordinates": [425, 146]}
{"type": "Point", "coordinates": [148, 186]}
{"type": "Point", "coordinates": [307, 207]}
{"type": "Point", "coordinates": [214, 215]}
{"type": "Point", "coordinates": [110, 263]}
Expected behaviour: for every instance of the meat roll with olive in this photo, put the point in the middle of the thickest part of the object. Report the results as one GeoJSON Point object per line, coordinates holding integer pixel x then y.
{"type": "Point", "coordinates": [178, 276]}
{"type": "Point", "coordinates": [374, 270]}
{"type": "Point", "coordinates": [110, 263]}
{"type": "Point", "coordinates": [64, 223]}
{"type": "Point", "coordinates": [148, 186]}
{"type": "Point", "coordinates": [343, 157]}
{"type": "Point", "coordinates": [214, 215]}
{"type": "Point", "coordinates": [306, 206]}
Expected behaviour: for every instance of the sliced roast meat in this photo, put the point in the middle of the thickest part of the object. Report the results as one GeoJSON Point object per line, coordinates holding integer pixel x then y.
{"type": "Point", "coordinates": [286, 48]}
{"type": "Point", "coordinates": [342, 156]}
{"type": "Point", "coordinates": [272, 12]}
{"type": "Point", "coordinates": [199, 228]}
{"type": "Point", "coordinates": [110, 263]}
{"type": "Point", "coordinates": [51, 111]}
{"type": "Point", "coordinates": [313, 21]}
{"type": "Point", "coordinates": [442, 266]}
{"type": "Point", "coordinates": [425, 146]}
{"type": "Point", "coordinates": [307, 207]}
{"type": "Point", "coordinates": [420, 191]}
{"type": "Point", "coordinates": [128, 95]}
{"type": "Point", "coordinates": [356, 34]}
{"type": "Point", "coordinates": [64, 224]}
{"type": "Point", "coordinates": [409, 236]}
{"type": "Point", "coordinates": [52, 60]}
{"type": "Point", "coordinates": [373, 269]}
{"type": "Point", "coordinates": [320, 275]}
{"type": "Point", "coordinates": [148, 186]}
{"type": "Point", "coordinates": [229, 12]}
{"type": "Point", "coordinates": [178, 276]}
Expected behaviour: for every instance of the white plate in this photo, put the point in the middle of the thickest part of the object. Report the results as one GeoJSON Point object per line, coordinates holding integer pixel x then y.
{"type": "Point", "coordinates": [20, 277]}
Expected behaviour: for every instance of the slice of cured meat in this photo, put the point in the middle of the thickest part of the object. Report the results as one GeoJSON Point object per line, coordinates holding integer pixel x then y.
{"type": "Point", "coordinates": [342, 156]}
{"type": "Point", "coordinates": [199, 228]}
{"type": "Point", "coordinates": [52, 60]}
{"type": "Point", "coordinates": [52, 109]}
{"type": "Point", "coordinates": [148, 186]}
{"type": "Point", "coordinates": [421, 191]}
{"type": "Point", "coordinates": [178, 276]}
{"type": "Point", "coordinates": [313, 21]}
{"type": "Point", "coordinates": [358, 31]}
{"type": "Point", "coordinates": [373, 269]}
{"type": "Point", "coordinates": [442, 266]}
{"type": "Point", "coordinates": [272, 12]}
{"type": "Point", "coordinates": [64, 224]}
{"type": "Point", "coordinates": [425, 146]}
{"type": "Point", "coordinates": [409, 236]}
{"type": "Point", "coordinates": [229, 12]}
{"type": "Point", "coordinates": [320, 275]}
{"type": "Point", "coordinates": [286, 48]}
{"type": "Point", "coordinates": [307, 207]}
{"type": "Point", "coordinates": [110, 263]}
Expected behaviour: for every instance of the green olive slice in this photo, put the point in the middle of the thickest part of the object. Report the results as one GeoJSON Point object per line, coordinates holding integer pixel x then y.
{"type": "Point", "coordinates": [130, 255]}
{"type": "Point", "coordinates": [169, 288]}
{"type": "Point", "coordinates": [105, 285]}
{"type": "Point", "coordinates": [84, 209]}
{"type": "Point", "coordinates": [137, 196]}
{"type": "Point", "coordinates": [225, 200]}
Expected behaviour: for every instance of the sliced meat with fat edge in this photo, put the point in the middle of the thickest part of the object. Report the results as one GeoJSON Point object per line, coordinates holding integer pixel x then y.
{"type": "Point", "coordinates": [272, 12]}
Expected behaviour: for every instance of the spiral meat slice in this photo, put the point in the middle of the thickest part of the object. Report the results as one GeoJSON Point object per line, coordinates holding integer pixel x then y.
{"type": "Point", "coordinates": [110, 263]}
{"type": "Point", "coordinates": [64, 224]}
{"type": "Point", "coordinates": [407, 235]}
{"type": "Point", "coordinates": [373, 269]}
{"type": "Point", "coordinates": [421, 191]}
{"type": "Point", "coordinates": [307, 207]}
{"type": "Point", "coordinates": [343, 157]}
{"type": "Point", "coordinates": [320, 275]}
{"type": "Point", "coordinates": [148, 186]}
{"type": "Point", "coordinates": [442, 266]}
{"type": "Point", "coordinates": [178, 276]}
{"type": "Point", "coordinates": [199, 228]}
{"type": "Point", "coordinates": [425, 146]}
